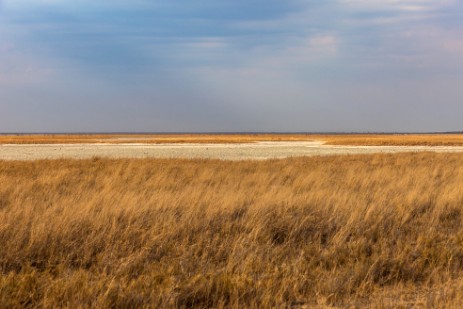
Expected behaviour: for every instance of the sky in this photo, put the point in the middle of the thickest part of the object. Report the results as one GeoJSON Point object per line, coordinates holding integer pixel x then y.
{"type": "Point", "coordinates": [231, 66]}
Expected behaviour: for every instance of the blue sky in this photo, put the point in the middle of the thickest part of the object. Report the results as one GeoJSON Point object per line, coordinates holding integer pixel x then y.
{"type": "Point", "coordinates": [243, 65]}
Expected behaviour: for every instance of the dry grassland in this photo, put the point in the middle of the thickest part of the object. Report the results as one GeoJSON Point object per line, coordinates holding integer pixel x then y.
{"type": "Point", "coordinates": [55, 138]}
{"type": "Point", "coordinates": [348, 139]}
{"type": "Point", "coordinates": [381, 231]}
{"type": "Point", "coordinates": [394, 139]}
{"type": "Point", "coordinates": [148, 138]}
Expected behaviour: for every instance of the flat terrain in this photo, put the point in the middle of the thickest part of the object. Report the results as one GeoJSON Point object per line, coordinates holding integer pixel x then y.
{"type": "Point", "coordinates": [157, 221]}
{"type": "Point", "coordinates": [372, 231]}
{"type": "Point", "coordinates": [331, 139]}
{"type": "Point", "coordinates": [149, 138]}
{"type": "Point", "coordinates": [232, 151]}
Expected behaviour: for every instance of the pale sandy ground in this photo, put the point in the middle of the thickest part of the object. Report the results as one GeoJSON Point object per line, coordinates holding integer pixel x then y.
{"type": "Point", "coordinates": [255, 151]}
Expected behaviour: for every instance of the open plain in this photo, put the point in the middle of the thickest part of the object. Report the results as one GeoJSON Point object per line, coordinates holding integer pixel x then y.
{"type": "Point", "coordinates": [114, 225]}
{"type": "Point", "coordinates": [231, 154]}
{"type": "Point", "coordinates": [224, 147]}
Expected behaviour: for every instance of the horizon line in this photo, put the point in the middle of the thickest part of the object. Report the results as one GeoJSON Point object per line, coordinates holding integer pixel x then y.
{"type": "Point", "coordinates": [229, 133]}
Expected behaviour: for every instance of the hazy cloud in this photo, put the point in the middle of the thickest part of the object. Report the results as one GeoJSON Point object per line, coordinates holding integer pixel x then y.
{"type": "Point", "coordinates": [216, 65]}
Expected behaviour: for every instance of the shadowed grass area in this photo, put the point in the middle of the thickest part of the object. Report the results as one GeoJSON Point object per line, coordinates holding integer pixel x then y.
{"type": "Point", "coordinates": [379, 231]}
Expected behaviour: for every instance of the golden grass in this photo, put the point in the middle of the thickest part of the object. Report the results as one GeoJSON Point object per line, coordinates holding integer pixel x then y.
{"type": "Point", "coordinates": [347, 139]}
{"type": "Point", "coordinates": [395, 139]}
{"type": "Point", "coordinates": [380, 231]}
{"type": "Point", "coordinates": [148, 138]}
